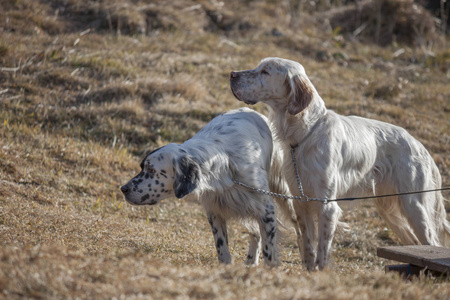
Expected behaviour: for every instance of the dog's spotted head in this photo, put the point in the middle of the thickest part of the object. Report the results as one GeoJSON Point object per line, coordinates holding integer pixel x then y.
{"type": "Point", "coordinates": [165, 172]}
{"type": "Point", "coordinates": [280, 83]}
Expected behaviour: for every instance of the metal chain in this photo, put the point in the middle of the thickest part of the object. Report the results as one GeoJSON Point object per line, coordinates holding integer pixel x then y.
{"type": "Point", "coordinates": [304, 198]}
{"type": "Point", "coordinates": [261, 191]}
{"type": "Point", "coordinates": [300, 187]}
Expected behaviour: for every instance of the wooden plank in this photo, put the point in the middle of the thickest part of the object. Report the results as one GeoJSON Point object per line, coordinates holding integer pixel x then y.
{"type": "Point", "coordinates": [430, 257]}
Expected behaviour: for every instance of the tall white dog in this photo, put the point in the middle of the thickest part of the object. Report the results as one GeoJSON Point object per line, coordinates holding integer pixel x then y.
{"type": "Point", "coordinates": [342, 156]}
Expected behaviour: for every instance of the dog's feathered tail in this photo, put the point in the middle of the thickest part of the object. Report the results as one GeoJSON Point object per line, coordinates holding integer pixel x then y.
{"type": "Point", "coordinates": [445, 224]}
{"type": "Point", "coordinates": [447, 234]}
{"type": "Point", "coordinates": [441, 224]}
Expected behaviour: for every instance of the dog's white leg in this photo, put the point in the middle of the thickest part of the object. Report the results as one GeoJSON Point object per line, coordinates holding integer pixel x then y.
{"type": "Point", "coordinates": [254, 250]}
{"type": "Point", "coordinates": [420, 219]}
{"type": "Point", "coordinates": [219, 230]}
{"type": "Point", "coordinates": [389, 209]}
{"type": "Point", "coordinates": [307, 229]}
{"type": "Point", "coordinates": [328, 220]}
{"type": "Point", "coordinates": [268, 226]}
{"type": "Point", "coordinates": [298, 232]}
{"type": "Point", "coordinates": [308, 250]}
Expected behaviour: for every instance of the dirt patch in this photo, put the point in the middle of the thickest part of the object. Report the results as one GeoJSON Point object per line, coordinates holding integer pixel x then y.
{"type": "Point", "coordinates": [384, 21]}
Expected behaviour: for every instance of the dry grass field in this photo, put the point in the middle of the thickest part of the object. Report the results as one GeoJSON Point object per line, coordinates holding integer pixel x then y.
{"type": "Point", "coordinates": [88, 87]}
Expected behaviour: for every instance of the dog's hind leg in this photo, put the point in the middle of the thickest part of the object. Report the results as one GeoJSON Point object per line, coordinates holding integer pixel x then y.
{"type": "Point", "coordinates": [219, 230]}
{"type": "Point", "coordinates": [420, 218]}
{"type": "Point", "coordinates": [268, 227]}
{"type": "Point", "coordinates": [419, 173]}
{"type": "Point", "coordinates": [389, 210]}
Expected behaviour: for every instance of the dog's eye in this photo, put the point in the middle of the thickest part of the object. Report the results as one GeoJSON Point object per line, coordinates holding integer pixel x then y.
{"type": "Point", "coordinates": [265, 72]}
{"type": "Point", "coordinates": [150, 170]}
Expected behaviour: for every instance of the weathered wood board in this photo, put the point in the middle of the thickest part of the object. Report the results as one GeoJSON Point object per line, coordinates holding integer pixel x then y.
{"type": "Point", "coordinates": [430, 257]}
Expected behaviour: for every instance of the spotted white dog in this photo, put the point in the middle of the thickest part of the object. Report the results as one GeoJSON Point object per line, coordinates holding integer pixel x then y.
{"type": "Point", "coordinates": [236, 145]}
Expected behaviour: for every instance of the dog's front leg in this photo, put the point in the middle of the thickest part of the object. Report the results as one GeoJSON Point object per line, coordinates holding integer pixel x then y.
{"type": "Point", "coordinates": [328, 220]}
{"type": "Point", "coordinates": [268, 225]}
{"type": "Point", "coordinates": [219, 230]}
{"type": "Point", "coordinates": [307, 227]}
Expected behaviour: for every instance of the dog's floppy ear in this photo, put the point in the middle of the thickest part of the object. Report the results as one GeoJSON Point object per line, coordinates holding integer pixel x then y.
{"type": "Point", "coordinates": [186, 176]}
{"type": "Point", "coordinates": [300, 95]}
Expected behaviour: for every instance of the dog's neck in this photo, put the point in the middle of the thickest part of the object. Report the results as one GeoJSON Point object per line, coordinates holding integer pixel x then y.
{"type": "Point", "coordinates": [293, 129]}
{"type": "Point", "coordinates": [214, 173]}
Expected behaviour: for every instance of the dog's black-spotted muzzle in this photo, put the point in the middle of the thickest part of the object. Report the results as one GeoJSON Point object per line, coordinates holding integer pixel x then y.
{"type": "Point", "coordinates": [140, 199]}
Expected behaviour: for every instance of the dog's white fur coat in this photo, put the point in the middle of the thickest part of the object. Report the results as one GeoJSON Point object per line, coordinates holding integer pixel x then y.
{"type": "Point", "coordinates": [236, 145]}
{"type": "Point", "coordinates": [343, 156]}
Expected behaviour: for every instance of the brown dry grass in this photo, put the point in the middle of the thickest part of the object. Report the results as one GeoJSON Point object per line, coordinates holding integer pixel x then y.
{"type": "Point", "coordinates": [88, 87]}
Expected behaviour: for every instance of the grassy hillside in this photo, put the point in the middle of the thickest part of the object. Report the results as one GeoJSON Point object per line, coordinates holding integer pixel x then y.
{"type": "Point", "coordinates": [88, 87]}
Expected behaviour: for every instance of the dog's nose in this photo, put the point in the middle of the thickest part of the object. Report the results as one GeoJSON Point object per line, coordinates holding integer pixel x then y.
{"type": "Point", "coordinates": [124, 189]}
{"type": "Point", "coordinates": [234, 75]}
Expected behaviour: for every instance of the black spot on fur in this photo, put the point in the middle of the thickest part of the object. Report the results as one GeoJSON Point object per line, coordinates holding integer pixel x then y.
{"type": "Point", "coordinates": [163, 171]}
{"type": "Point", "coordinates": [271, 233]}
{"type": "Point", "coordinates": [269, 256]}
{"type": "Point", "coordinates": [219, 242]}
{"type": "Point", "coordinates": [145, 197]}
{"type": "Point", "coordinates": [268, 219]}
{"type": "Point", "coordinates": [156, 181]}
{"type": "Point", "coordinates": [214, 230]}
{"type": "Point", "coordinates": [143, 161]}
{"type": "Point", "coordinates": [162, 184]}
